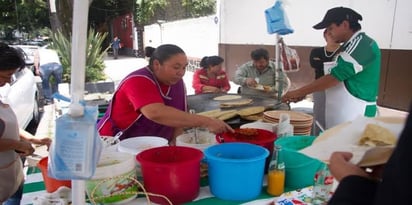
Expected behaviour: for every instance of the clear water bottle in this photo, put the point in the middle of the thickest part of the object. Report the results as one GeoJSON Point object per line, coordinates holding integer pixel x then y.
{"type": "Point", "coordinates": [322, 185]}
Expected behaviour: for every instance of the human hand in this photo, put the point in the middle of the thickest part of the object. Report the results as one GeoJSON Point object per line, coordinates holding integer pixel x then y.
{"type": "Point", "coordinates": [251, 82]}
{"type": "Point", "coordinates": [42, 141]}
{"type": "Point", "coordinates": [293, 96]}
{"type": "Point", "coordinates": [218, 126]}
{"type": "Point", "coordinates": [24, 148]}
{"type": "Point", "coordinates": [341, 167]}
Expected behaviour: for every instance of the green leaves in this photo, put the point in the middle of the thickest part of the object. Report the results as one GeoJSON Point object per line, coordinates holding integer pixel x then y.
{"type": "Point", "coordinates": [94, 55]}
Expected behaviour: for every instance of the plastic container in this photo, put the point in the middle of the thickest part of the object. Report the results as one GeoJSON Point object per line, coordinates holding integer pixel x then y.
{"type": "Point", "coordinates": [51, 184]}
{"type": "Point", "coordinates": [172, 171]}
{"type": "Point", "coordinates": [300, 169]}
{"type": "Point", "coordinates": [206, 139]}
{"type": "Point", "coordinates": [236, 170]}
{"type": "Point", "coordinates": [264, 138]}
{"type": "Point", "coordinates": [114, 176]}
{"type": "Point", "coordinates": [271, 127]}
{"type": "Point", "coordinates": [135, 145]}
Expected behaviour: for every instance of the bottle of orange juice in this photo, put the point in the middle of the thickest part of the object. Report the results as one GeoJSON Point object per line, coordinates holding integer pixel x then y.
{"type": "Point", "coordinates": [276, 174]}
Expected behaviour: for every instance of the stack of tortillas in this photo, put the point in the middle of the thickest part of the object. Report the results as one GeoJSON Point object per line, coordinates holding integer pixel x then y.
{"type": "Point", "coordinates": [252, 113]}
{"type": "Point", "coordinates": [302, 122]}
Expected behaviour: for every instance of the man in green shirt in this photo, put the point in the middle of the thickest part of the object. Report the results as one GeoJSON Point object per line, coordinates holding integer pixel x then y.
{"type": "Point", "coordinates": [351, 82]}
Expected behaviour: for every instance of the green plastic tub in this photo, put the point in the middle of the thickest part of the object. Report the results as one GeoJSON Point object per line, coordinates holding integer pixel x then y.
{"type": "Point", "coordinates": [300, 169]}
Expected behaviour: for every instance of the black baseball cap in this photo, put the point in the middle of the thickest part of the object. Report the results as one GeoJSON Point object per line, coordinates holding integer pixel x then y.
{"type": "Point", "coordinates": [337, 15]}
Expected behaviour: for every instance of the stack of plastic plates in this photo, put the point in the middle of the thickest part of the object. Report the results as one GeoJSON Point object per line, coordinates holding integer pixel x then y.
{"type": "Point", "coordinates": [302, 122]}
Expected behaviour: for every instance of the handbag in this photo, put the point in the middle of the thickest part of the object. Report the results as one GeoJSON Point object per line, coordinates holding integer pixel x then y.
{"type": "Point", "coordinates": [289, 57]}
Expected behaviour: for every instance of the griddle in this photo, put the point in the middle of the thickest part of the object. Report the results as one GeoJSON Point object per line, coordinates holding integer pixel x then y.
{"type": "Point", "coordinates": [205, 102]}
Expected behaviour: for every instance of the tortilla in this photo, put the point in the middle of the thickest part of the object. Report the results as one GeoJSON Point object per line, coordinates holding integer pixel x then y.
{"type": "Point", "coordinates": [236, 103]}
{"type": "Point", "coordinates": [229, 114]}
{"type": "Point", "coordinates": [251, 110]}
{"type": "Point", "coordinates": [253, 117]}
{"type": "Point", "coordinates": [219, 114]}
{"type": "Point", "coordinates": [376, 135]}
{"type": "Point", "coordinates": [211, 113]}
{"type": "Point", "coordinates": [227, 97]}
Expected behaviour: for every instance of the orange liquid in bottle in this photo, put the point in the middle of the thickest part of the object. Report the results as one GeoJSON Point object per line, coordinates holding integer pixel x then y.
{"type": "Point", "coordinates": [276, 182]}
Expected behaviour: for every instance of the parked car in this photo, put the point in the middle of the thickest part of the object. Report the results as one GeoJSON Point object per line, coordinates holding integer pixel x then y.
{"type": "Point", "coordinates": [23, 94]}
{"type": "Point", "coordinates": [29, 51]}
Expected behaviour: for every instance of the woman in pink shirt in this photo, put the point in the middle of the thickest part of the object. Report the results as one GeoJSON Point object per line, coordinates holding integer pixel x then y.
{"type": "Point", "coordinates": [210, 78]}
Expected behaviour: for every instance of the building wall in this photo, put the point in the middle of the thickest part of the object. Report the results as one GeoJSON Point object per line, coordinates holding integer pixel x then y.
{"type": "Point", "coordinates": [243, 28]}
{"type": "Point", "coordinates": [240, 26]}
{"type": "Point", "coordinates": [198, 37]}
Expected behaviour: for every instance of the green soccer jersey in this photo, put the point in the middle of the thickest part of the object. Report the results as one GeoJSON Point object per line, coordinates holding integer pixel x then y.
{"type": "Point", "coordinates": [358, 66]}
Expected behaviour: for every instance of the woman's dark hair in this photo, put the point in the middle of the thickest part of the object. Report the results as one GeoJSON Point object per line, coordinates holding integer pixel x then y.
{"type": "Point", "coordinates": [148, 51]}
{"type": "Point", "coordinates": [10, 58]}
{"type": "Point", "coordinates": [259, 54]}
{"type": "Point", "coordinates": [209, 61]}
{"type": "Point", "coordinates": [164, 52]}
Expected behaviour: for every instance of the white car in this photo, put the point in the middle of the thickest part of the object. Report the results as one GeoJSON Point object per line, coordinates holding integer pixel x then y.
{"type": "Point", "coordinates": [29, 50]}
{"type": "Point", "coordinates": [23, 95]}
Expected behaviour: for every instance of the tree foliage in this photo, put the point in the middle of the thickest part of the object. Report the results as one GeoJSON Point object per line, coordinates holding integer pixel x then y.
{"type": "Point", "coordinates": [145, 10]}
{"type": "Point", "coordinates": [27, 16]}
{"type": "Point", "coordinates": [94, 55]}
{"type": "Point", "coordinates": [197, 8]}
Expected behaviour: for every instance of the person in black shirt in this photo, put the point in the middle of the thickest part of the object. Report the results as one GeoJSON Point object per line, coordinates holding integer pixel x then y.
{"type": "Point", "coordinates": [318, 56]}
{"type": "Point", "coordinates": [358, 187]}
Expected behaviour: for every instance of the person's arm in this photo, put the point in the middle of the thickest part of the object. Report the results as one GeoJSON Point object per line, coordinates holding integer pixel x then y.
{"type": "Point", "coordinates": [226, 84]}
{"type": "Point", "coordinates": [320, 84]}
{"type": "Point", "coordinates": [30, 138]}
{"type": "Point", "coordinates": [161, 113]}
{"type": "Point", "coordinates": [37, 63]}
{"type": "Point", "coordinates": [314, 59]}
{"type": "Point", "coordinates": [196, 83]}
{"type": "Point", "coordinates": [240, 75]}
{"type": "Point", "coordinates": [23, 147]}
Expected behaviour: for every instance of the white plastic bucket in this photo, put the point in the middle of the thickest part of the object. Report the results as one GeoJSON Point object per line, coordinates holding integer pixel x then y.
{"type": "Point", "coordinates": [206, 139]}
{"type": "Point", "coordinates": [135, 145]}
{"type": "Point", "coordinates": [113, 177]}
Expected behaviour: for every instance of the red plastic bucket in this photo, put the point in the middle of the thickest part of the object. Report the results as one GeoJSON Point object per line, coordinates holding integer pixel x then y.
{"type": "Point", "coordinates": [262, 138]}
{"type": "Point", "coordinates": [51, 184]}
{"type": "Point", "coordinates": [172, 171]}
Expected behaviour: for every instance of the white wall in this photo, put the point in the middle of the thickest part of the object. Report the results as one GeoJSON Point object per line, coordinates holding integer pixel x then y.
{"type": "Point", "coordinates": [197, 37]}
{"type": "Point", "coordinates": [243, 21]}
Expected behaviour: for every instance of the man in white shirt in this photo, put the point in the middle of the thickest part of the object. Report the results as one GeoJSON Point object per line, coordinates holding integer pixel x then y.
{"type": "Point", "coordinates": [47, 64]}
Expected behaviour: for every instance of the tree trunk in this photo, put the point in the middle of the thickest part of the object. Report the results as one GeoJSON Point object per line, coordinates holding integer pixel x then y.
{"type": "Point", "coordinates": [140, 47]}
{"type": "Point", "coordinates": [53, 18]}
{"type": "Point", "coordinates": [65, 16]}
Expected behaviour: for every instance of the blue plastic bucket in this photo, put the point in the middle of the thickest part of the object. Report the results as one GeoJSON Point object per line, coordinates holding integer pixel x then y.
{"type": "Point", "coordinates": [300, 169]}
{"type": "Point", "coordinates": [236, 170]}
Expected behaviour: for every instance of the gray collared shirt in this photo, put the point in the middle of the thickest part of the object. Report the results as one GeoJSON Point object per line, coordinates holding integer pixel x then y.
{"type": "Point", "coordinates": [268, 77]}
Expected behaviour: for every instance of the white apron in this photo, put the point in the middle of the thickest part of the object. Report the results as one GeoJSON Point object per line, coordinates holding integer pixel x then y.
{"type": "Point", "coordinates": [11, 168]}
{"type": "Point", "coordinates": [340, 105]}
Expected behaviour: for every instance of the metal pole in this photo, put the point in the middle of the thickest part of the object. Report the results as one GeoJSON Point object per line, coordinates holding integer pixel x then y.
{"type": "Point", "coordinates": [78, 62]}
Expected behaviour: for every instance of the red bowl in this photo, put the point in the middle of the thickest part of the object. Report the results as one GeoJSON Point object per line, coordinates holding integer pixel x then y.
{"type": "Point", "coordinates": [262, 137]}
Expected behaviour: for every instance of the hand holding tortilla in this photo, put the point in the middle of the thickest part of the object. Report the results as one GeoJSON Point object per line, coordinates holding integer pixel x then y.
{"type": "Point", "coordinates": [376, 135]}
{"type": "Point", "coordinates": [345, 138]}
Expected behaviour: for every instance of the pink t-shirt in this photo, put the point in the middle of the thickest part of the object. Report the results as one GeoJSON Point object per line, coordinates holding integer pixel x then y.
{"type": "Point", "coordinates": [133, 94]}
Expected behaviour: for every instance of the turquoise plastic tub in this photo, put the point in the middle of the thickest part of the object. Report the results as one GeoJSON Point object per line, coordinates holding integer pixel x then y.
{"type": "Point", "coordinates": [236, 170]}
{"type": "Point", "coordinates": [300, 169]}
